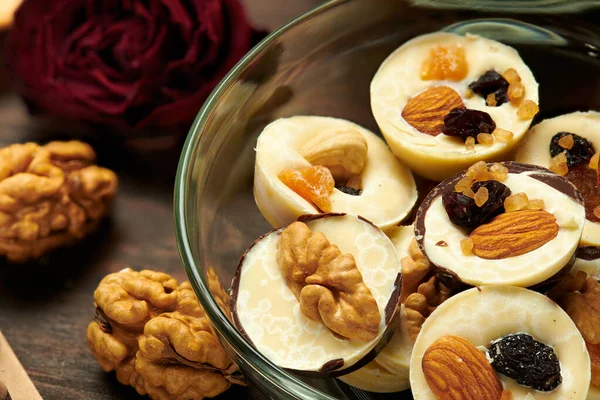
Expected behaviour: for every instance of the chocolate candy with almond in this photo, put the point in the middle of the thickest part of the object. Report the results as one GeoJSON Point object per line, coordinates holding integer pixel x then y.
{"type": "Point", "coordinates": [532, 242]}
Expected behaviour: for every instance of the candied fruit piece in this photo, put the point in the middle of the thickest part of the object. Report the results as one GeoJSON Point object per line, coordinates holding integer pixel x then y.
{"type": "Point", "coordinates": [466, 246]}
{"type": "Point", "coordinates": [527, 109]}
{"type": "Point", "coordinates": [469, 94]}
{"type": "Point", "coordinates": [485, 139]}
{"type": "Point", "coordinates": [479, 166]}
{"type": "Point", "coordinates": [586, 181]}
{"type": "Point", "coordinates": [470, 143]}
{"type": "Point", "coordinates": [465, 122]}
{"type": "Point", "coordinates": [566, 142]}
{"type": "Point", "coordinates": [314, 184]}
{"type": "Point", "coordinates": [580, 152]}
{"type": "Point", "coordinates": [559, 165]}
{"type": "Point", "coordinates": [492, 86]}
{"type": "Point", "coordinates": [594, 161]}
{"type": "Point", "coordinates": [478, 172]}
{"type": "Point", "coordinates": [469, 193]}
{"type": "Point", "coordinates": [481, 196]}
{"type": "Point", "coordinates": [445, 63]}
{"type": "Point", "coordinates": [529, 362]}
{"type": "Point", "coordinates": [535, 204]}
{"type": "Point", "coordinates": [512, 76]}
{"type": "Point", "coordinates": [463, 184]}
{"type": "Point", "coordinates": [503, 135]}
{"type": "Point", "coordinates": [516, 202]}
{"type": "Point", "coordinates": [516, 93]}
{"type": "Point", "coordinates": [499, 172]}
{"type": "Point", "coordinates": [463, 211]}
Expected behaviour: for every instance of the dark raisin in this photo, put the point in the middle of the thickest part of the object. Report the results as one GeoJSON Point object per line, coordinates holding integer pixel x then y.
{"type": "Point", "coordinates": [349, 190]}
{"type": "Point", "coordinates": [491, 82]}
{"type": "Point", "coordinates": [465, 122]}
{"type": "Point", "coordinates": [581, 152]}
{"type": "Point", "coordinates": [463, 211]}
{"type": "Point", "coordinates": [529, 362]}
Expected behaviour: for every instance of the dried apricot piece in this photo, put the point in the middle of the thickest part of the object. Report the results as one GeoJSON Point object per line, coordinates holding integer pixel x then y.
{"type": "Point", "coordinates": [314, 184]}
{"type": "Point", "coordinates": [445, 63]}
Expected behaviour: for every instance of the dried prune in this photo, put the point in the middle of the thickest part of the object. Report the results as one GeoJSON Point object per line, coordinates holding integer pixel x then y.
{"type": "Point", "coordinates": [463, 211]}
{"type": "Point", "coordinates": [586, 181]}
{"type": "Point", "coordinates": [465, 122]}
{"type": "Point", "coordinates": [491, 82]}
{"type": "Point", "coordinates": [529, 362]}
{"type": "Point", "coordinates": [349, 190]}
{"type": "Point", "coordinates": [581, 152]}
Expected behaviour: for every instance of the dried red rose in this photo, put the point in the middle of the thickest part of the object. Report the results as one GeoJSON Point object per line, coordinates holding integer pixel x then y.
{"type": "Point", "coordinates": [128, 64]}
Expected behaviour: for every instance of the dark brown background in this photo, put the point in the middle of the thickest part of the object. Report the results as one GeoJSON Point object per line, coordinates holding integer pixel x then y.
{"type": "Point", "coordinates": [45, 307]}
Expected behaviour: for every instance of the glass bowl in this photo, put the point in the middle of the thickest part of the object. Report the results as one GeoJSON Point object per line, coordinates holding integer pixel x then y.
{"type": "Point", "coordinates": [322, 64]}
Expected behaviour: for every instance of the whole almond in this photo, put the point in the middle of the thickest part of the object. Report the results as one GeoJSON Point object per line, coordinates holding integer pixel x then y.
{"type": "Point", "coordinates": [455, 369]}
{"type": "Point", "coordinates": [514, 233]}
{"type": "Point", "coordinates": [426, 111]}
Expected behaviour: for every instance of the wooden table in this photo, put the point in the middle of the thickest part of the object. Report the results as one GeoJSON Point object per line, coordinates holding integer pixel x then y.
{"type": "Point", "coordinates": [45, 307]}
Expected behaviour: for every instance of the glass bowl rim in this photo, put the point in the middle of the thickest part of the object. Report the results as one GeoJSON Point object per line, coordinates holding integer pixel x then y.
{"type": "Point", "coordinates": [283, 381]}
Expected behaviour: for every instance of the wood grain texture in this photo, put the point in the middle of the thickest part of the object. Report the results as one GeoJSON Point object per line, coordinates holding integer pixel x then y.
{"type": "Point", "coordinates": [45, 306]}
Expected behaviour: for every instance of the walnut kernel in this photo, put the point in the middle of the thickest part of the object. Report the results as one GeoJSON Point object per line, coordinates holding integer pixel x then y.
{"type": "Point", "coordinates": [320, 276]}
{"type": "Point", "coordinates": [50, 196]}
{"type": "Point", "coordinates": [156, 336]}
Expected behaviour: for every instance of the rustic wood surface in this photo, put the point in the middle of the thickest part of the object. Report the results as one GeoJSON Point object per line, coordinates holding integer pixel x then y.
{"type": "Point", "coordinates": [45, 307]}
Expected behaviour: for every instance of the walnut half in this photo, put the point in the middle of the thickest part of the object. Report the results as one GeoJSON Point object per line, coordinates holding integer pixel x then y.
{"type": "Point", "coordinates": [327, 283]}
{"type": "Point", "coordinates": [579, 295]}
{"type": "Point", "coordinates": [50, 196]}
{"type": "Point", "coordinates": [157, 337]}
{"type": "Point", "coordinates": [422, 291]}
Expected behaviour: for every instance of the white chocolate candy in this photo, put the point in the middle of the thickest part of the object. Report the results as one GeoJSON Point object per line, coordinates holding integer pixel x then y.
{"type": "Point", "coordinates": [374, 378]}
{"type": "Point", "coordinates": [268, 314]}
{"type": "Point", "coordinates": [388, 193]}
{"type": "Point", "coordinates": [389, 371]}
{"type": "Point", "coordinates": [399, 79]}
{"type": "Point", "coordinates": [590, 267]}
{"type": "Point", "coordinates": [481, 315]}
{"type": "Point", "coordinates": [535, 149]}
{"type": "Point", "coordinates": [523, 270]}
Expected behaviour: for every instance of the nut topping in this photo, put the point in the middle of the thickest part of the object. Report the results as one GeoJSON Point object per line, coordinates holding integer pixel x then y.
{"type": "Point", "coordinates": [415, 267]}
{"type": "Point", "coordinates": [583, 306]}
{"type": "Point", "coordinates": [455, 369]}
{"type": "Point", "coordinates": [426, 111]}
{"type": "Point", "coordinates": [420, 295]}
{"type": "Point", "coordinates": [327, 283]}
{"type": "Point", "coordinates": [343, 152]}
{"type": "Point", "coordinates": [512, 234]}
{"type": "Point", "coordinates": [594, 351]}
